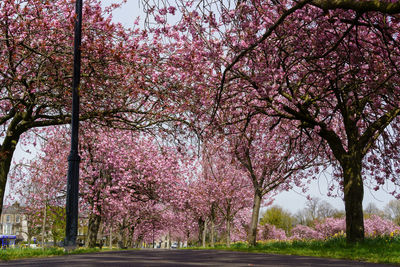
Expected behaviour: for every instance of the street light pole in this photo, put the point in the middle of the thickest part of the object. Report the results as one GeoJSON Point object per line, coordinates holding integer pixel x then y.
{"type": "Point", "coordinates": [73, 158]}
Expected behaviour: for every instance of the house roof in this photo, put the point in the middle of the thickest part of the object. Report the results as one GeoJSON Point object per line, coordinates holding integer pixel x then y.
{"type": "Point", "coordinates": [13, 209]}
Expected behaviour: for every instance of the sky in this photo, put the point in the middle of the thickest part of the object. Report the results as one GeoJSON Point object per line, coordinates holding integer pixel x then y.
{"type": "Point", "coordinates": [293, 200]}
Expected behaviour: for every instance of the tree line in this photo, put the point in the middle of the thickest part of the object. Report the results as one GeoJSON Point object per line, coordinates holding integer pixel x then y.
{"type": "Point", "coordinates": [287, 89]}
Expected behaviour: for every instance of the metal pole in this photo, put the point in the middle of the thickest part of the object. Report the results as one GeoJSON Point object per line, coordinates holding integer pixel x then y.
{"type": "Point", "coordinates": [73, 158]}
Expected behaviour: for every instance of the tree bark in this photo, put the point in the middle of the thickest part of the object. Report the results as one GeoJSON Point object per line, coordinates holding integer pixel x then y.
{"type": "Point", "coordinates": [187, 237]}
{"type": "Point", "coordinates": [44, 223]}
{"type": "Point", "coordinates": [122, 235]}
{"type": "Point", "coordinates": [212, 232]}
{"type": "Point", "coordinates": [353, 197]}
{"type": "Point", "coordinates": [228, 233]}
{"type": "Point", "coordinates": [252, 238]}
{"type": "Point", "coordinates": [93, 229]}
{"type": "Point", "coordinates": [212, 226]}
{"type": "Point", "coordinates": [129, 243]}
{"type": "Point", "coordinates": [201, 229]}
{"type": "Point", "coordinates": [111, 237]}
{"type": "Point", "coordinates": [204, 234]}
{"type": "Point", "coordinates": [169, 239]}
{"type": "Point", "coordinates": [7, 150]}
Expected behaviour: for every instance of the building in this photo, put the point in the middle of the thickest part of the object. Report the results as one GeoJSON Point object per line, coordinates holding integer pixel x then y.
{"type": "Point", "coordinates": [13, 222]}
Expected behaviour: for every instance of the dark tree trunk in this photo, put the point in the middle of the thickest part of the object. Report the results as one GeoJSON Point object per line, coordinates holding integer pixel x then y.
{"type": "Point", "coordinates": [122, 236]}
{"type": "Point", "coordinates": [187, 237]}
{"type": "Point", "coordinates": [129, 242]}
{"type": "Point", "coordinates": [228, 225]}
{"type": "Point", "coordinates": [252, 238]}
{"type": "Point", "coordinates": [6, 154]}
{"type": "Point", "coordinates": [93, 229]}
{"type": "Point", "coordinates": [139, 241]}
{"type": "Point", "coordinates": [201, 223]}
{"type": "Point", "coordinates": [353, 197]}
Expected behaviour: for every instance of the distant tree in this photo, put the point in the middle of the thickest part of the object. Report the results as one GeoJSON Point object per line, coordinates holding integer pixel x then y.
{"type": "Point", "coordinates": [312, 208]}
{"type": "Point", "coordinates": [339, 214]}
{"type": "Point", "coordinates": [392, 211]}
{"type": "Point", "coordinates": [56, 223]}
{"type": "Point", "coordinates": [325, 210]}
{"type": "Point", "coordinates": [372, 209]}
{"type": "Point", "coordinates": [302, 217]}
{"type": "Point", "coordinates": [278, 217]}
{"type": "Point", "coordinates": [316, 209]}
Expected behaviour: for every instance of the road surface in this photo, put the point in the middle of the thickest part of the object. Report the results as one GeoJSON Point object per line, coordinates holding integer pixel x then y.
{"type": "Point", "coordinates": [159, 257]}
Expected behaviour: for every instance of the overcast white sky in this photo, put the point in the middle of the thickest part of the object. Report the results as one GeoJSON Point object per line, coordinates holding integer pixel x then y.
{"type": "Point", "coordinates": [293, 200]}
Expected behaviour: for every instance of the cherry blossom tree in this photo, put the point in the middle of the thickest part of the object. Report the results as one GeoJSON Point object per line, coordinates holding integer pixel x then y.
{"type": "Point", "coordinates": [261, 145]}
{"type": "Point", "coordinates": [271, 161]}
{"type": "Point", "coordinates": [328, 68]}
{"type": "Point", "coordinates": [36, 183]}
{"type": "Point", "coordinates": [340, 85]}
{"type": "Point", "coordinates": [36, 67]}
{"type": "Point", "coordinates": [230, 189]}
{"type": "Point", "coordinates": [119, 169]}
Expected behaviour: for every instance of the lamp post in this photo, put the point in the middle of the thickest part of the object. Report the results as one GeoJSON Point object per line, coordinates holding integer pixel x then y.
{"type": "Point", "coordinates": [73, 158]}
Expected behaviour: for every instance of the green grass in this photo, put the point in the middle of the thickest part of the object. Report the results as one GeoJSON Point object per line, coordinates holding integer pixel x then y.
{"type": "Point", "coordinates": [21, 253]}
{"type": "Point", "coordinates": [376, 250]}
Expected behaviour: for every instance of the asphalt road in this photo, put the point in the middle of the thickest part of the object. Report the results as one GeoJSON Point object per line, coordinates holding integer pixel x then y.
{"type": "Point", "coordinates": [159, 257]}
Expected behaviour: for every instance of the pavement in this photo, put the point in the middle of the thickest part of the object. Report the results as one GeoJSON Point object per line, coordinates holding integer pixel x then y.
{"type": "Point", "coordinates": [164, 257]}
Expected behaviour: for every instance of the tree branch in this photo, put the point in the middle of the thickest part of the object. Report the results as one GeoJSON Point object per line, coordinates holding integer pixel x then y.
{"type": "Point", "coordinates": [359, 6]}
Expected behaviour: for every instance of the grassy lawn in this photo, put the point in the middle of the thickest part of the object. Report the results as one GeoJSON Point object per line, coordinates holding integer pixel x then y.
{"type": "Point", "coordinates": [20, 253]}
{"type": "Point", "coordinates": [377, 250]}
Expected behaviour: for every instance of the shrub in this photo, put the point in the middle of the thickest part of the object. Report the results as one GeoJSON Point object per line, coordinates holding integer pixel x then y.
{"type": "Point", "coordinates": [302, 232]}
{"type": "Point", "coordinates": [377, 226]}
{"type": "Point", "coordinates": [268, 232]}
{"type": "Point", "coordinates": [331, 227]}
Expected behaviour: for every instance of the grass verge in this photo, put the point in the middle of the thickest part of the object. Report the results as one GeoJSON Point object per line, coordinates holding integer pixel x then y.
{"type": "Point", "coordinates": [22, 253]}
{"type": "Point", "coordinates": [375, 250]}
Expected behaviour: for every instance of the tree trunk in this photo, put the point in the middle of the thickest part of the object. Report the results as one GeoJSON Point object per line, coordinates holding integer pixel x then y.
{"type": "Point", "coordinates": [130, 236]}
{"type": "Point", "coordinates": [252, 238]}
{"type": "Point", "coordinates": [139, 241]}
{"type": "Point", "coordinates": [228, 233]}
{"type": "Point", "coordinates": [201, 228]}
{"type": "Point", "coordinates": [111, 237]}
{"type": "Point", "coordinates": [228, 224]}
{"type": "Point", "coordinates": [6, 154]}
{"type": "Point", "coordinates": [204, 234]}
{"type": "Point", "coordinates": [353, 197]}
{"type": "Point", "coordinates": [212, 232]}
{"type": "Point", "coordinates": [212, 217]}
{"type": "Point", "coordinates": [93, 229]}
{"type": "Point", "coordinates": [54, 239]}
{"type": "Point", "coordinates": [169, 239]}
{"type": "Point", "coordinates": [187, 237]}
{"type": "Point", "coordinates": [44, 223]}
{"type": "Point", "coordinates": [122, 235]}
